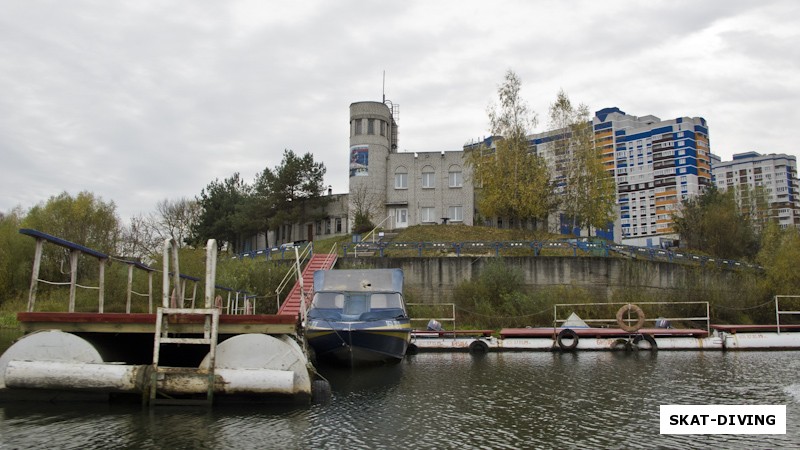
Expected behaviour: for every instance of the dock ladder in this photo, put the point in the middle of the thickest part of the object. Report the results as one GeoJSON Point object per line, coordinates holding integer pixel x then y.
{"type": "Point", "coordinates": [162, 333]}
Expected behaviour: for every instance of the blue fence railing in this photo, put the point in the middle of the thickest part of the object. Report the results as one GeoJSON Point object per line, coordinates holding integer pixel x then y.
{"type": "Point", "coordinates": [497, 248]}
{"type": "Point", "coordinates": [575, 248]}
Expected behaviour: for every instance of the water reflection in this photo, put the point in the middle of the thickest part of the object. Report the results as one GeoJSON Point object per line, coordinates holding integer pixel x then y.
{"type": "Point", "coordinates": [452, 400]}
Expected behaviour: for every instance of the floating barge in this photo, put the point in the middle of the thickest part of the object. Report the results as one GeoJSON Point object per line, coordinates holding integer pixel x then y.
{"type": "Point", "coordinates": [179, 354]}
{"type": "Point", "coordinates": [582, 337]}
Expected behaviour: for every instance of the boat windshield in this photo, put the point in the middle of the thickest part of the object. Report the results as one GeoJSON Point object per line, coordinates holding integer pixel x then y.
{"type": "Point", "coordinates": [354, 306]}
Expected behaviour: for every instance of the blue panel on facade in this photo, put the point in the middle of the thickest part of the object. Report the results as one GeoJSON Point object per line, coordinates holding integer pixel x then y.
{"type": "Point", "coordinates": [619, 133]}
{"type": "Point", "coordinates": [662, 130]}
{"type": "Point", "coordinates": [603, 113]}
{"type": "Point", "coordinates": [634, 137]}
{"type": "Point", "coordinates": [602, 126]}
{"type": "Point", "coordinates": [703, 130]}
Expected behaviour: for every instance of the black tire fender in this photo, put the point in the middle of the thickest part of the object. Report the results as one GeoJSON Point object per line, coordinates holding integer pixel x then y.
{"type": "Point", "coordinates": [478, 347]}
{"type": "Point", "coordinates": [648, 338]}
{"type": "Point", "coordinates": [321, 392]}
{"type": "Point", "coordinates": [567, 334]}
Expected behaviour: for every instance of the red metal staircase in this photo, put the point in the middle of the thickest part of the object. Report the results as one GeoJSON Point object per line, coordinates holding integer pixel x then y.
{"type": "Point", "coordinates": [291, 306]}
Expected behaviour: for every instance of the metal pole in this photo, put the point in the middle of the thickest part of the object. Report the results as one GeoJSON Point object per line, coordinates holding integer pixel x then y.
{"type": "Point", "coordinates": [73, 277]}
{"type": "Point", "coordinates": [130, 287]}
{"type": "Point", "coordinates": [302, 288]}
{"type": "Point", "coordinates": [102, 286]}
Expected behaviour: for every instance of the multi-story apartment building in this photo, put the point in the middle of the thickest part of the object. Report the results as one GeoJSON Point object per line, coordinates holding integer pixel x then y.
{"type": "Point", "coordinates": [656, 164]}
{"type": "Point", "coordinates": [772, 176]}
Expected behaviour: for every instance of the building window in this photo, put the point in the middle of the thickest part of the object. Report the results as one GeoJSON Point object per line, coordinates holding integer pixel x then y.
{"type": "Point", "coordinates": [338, 224]}
{"type": "Point", "coordinates": [383, 128]}
{"type": "Point", "coordinates": [327, 226]}
{"type": "Point", "coordinates": [370, 126]}
{"type": "Point", "coordinates": [456, 213]}
{"type": "Point", "coordinates": [401, 178]}
{"type": "Point", "coordinates": [456, 180]}
{"type": "Point", "coordinates": [358, 126]}
{"type": "Point", "coordinates": [428, 177]}
{"type": "Point", "coordinates": [427, 215]}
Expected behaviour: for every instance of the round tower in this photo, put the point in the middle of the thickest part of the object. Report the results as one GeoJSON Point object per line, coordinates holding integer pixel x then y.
{"type": "Point", "coordinates": [373, 136]}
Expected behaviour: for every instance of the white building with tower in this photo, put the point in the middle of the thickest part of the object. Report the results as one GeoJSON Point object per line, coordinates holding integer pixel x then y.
{"type": "Point", "coordinates": [402, 189]}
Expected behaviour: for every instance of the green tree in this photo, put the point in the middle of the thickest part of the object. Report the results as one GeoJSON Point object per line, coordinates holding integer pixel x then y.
{"type": "Point", "coordinates": [780, 251]}
{"type": "Point", "coordinates": [712, 222]}
{"type": "Point", "coordinates": [292, 192]}
{"type": "Point", "coordinates": [512, 181]}
{"type": "Point", "coordinates": [16, 252]}
{"type": "Point", "coordinates": [221, 203]}
{"type": "Point", "coordinates": [587, 190]}
{"type": "Point", "coordinates": [84, 219]}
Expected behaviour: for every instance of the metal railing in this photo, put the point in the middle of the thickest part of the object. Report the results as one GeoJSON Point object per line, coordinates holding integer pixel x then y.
{"type": "Point", "coordinates": [372, 233]}
{"type": "Point", "coordinates": [779, 312]}
{"type": "Point", "coordinates": [451, 319]}
{"type": "Point", "coordinates": [173, 282]}
{"type": "Point", "coordinates": [300, 258]}
{"type": "Point", "coordinates": [706, 318]}
{"type": "Point", "coordinates": [537, 248]}
{"type": "Point", "coordinates": [75, 251]}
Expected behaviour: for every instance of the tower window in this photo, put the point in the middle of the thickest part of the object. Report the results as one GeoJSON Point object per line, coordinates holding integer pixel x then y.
{"type": "Point", "coordinates": [370, 126]}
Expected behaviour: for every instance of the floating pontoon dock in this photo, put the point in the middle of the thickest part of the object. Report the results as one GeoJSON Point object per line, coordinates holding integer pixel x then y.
{"type": "Point", "coordinates": [582, 337]}
{"type": "Point", "coordinates": [179, 354]}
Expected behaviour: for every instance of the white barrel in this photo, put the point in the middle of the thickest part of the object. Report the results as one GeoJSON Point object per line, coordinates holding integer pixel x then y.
{"type": "Point", "coordinates": [230, 381]}
{"type": "Point", "coordinates": [50, 345]}
{"type": "Point", "coordinates": [73, 376]}
{"type": "Point", "coordinates": [261, 352]}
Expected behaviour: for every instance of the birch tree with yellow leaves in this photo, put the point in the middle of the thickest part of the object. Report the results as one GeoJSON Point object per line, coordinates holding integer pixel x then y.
{"type": "Point", "coordinates": [511, 180]}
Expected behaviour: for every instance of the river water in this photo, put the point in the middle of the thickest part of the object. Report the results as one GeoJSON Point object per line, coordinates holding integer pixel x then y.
{"type": "Point", "coordinates": [451, 400]}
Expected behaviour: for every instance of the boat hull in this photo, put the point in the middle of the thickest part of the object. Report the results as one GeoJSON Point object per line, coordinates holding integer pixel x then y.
{"type": "Point", "coordinates": [359, 343]}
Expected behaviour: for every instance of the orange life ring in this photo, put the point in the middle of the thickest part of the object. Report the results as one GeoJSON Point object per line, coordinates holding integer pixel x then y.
{"type": "Point", "coordinates": [639, 318]}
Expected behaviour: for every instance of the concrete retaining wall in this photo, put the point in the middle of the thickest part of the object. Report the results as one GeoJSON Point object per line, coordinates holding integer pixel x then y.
{"type": "Point", "coordinates": [432, 280]}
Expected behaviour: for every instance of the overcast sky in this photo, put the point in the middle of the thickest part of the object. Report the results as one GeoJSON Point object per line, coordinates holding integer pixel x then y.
{"type": "Point", "coordinates": [140, 101]}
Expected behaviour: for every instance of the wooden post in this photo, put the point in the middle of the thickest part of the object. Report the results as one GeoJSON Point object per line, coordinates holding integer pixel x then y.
{"type": "Point", "coordinates": [211, 272]}
{"type": "Point", "coordinates": [37, 261]}
{"type": "Point", "coordinates": [73, 278]}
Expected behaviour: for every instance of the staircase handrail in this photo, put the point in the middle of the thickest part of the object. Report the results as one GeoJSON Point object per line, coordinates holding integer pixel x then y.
{"type": "Point", "coordinates": [292, 270]}
{"type": "Point", "coordinates": [371, 233]}
{"type": "Point", "coordinates": [332, 255]}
